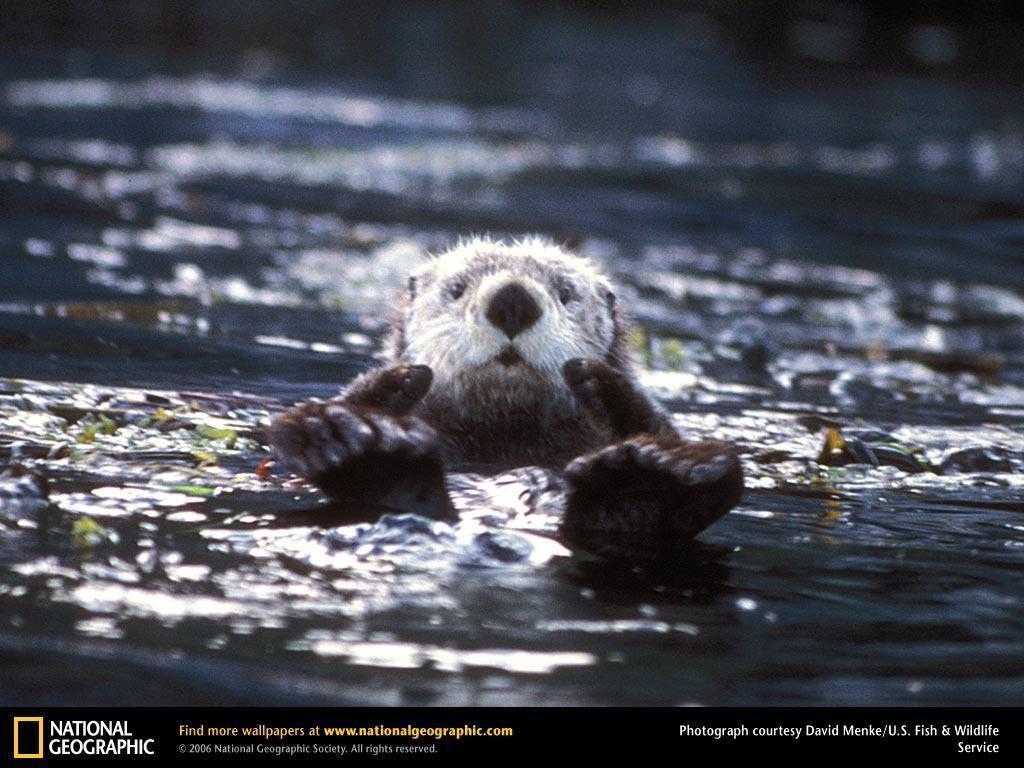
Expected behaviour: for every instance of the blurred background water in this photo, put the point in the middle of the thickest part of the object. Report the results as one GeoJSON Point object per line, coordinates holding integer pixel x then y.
{"type": "Point", "coordinates": [816, 214]}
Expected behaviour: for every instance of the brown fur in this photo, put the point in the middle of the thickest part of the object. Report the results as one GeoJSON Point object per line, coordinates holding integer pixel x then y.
{"type": "Point", "coordinates": [494, 419]}
{"type": "Point", "coordinates": [509, 355]}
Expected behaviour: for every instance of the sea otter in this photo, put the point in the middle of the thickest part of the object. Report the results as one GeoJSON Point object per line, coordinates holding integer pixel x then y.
{"type": "Point", "coordinates": [504, 355]}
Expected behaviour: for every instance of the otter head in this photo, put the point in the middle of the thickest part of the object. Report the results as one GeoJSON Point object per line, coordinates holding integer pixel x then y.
{"type": "Point", "coordinates": [497, 321]}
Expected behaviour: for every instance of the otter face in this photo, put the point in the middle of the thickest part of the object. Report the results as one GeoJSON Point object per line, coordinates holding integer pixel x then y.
{"type": "Point", "coordinates": [502, 319]}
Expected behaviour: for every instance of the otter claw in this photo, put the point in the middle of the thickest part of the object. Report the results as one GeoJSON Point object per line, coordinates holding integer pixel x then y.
{"type": "Point", "coordinates": [395, 390]}
{"type": "Point", "coordinates": [612, 397]}
{"type": "Point", "coordinates": [364, 456]}
{"type": "Point", "coordinates": [649, 489]}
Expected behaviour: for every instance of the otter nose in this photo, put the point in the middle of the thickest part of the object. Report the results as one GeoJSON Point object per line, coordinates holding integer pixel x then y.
{"type": "Point", "coordinates": [513, 310]}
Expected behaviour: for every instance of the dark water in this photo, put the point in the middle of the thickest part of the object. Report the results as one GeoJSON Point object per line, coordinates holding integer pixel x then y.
{"type": "Point", "coordinates": [183, 251]}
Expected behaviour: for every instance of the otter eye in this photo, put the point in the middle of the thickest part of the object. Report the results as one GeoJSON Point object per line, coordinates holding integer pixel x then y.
{"type": "Point", "coordinates": [456, 288]}
{"type": "Point", "coordinates": [565, 294]}
{"type": "Point", "coordinates": [610, 299]}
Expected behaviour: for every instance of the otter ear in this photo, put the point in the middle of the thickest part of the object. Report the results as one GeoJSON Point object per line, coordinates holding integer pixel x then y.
{"type": "Point", "coordinates": [412, 286]}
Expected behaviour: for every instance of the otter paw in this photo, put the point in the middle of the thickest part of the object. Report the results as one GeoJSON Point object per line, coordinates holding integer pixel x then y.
{"type": "Point", "coordinates": [649, 491]}
{"type": "Point", "coordinates": [395, 390]}
{"type": "Point", "coordinates": [596, 385]}
{"type": "Point", "coordinates": [364, 456]}
{"type": "Point", "coordinates": [610, 396]}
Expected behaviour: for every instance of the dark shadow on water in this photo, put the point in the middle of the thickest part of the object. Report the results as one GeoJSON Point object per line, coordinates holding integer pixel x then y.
{"type": "Point", "coordinates": [335, 513]}
{"type": "Point", "coordinates": [692, 570]}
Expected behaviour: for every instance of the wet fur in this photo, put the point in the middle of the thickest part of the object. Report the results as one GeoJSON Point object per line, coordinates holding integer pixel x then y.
{"type": "Point", "coordinates": [444, 398]}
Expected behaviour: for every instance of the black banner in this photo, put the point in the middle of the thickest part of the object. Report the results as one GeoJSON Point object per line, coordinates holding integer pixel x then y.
{"type": "Point", "coordinates": [80, 735]}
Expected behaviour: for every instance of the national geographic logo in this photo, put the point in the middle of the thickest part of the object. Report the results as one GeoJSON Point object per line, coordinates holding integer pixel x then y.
{"type": "Point", "coordinates": [77, 737]}
{"type": "Point", "coordinates": [28, 737]}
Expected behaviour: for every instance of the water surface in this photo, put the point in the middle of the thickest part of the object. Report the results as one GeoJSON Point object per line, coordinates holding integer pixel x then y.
{"type": "Point", "coordinates": [184, 253]}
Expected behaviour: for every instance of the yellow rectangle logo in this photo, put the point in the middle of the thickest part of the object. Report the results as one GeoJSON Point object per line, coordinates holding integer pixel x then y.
{"type": "Point", "coordinates": [36, 744]}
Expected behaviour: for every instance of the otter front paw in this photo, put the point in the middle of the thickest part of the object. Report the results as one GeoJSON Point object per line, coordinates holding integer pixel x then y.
{"type": "Point", "coordinates": [649, 491]}
{"type": "Point", "coordinates": [394, 390]}
{"type": "Point", "coordinates": [612, 397]}
{"type": "Point", "coordinates": [364, 456]}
